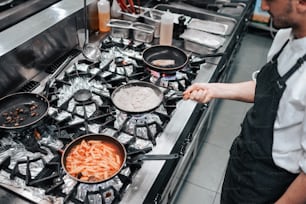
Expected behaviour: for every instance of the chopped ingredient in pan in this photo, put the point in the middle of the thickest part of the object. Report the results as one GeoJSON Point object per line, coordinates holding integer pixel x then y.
{"type": "Point", "coordinates": [136, 99]}
{"type": "Point", "coordinates": [93, 160]}
{"type": "Point", "coordinates": [163, 62]}
{"type": "Point", "coordinates": [15, 116]}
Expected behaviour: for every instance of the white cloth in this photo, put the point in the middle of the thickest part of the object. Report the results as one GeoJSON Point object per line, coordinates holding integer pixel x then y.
{"type": "Point", "coordinates": [289, 142]}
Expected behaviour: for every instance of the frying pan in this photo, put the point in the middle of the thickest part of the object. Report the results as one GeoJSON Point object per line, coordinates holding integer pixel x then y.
{"type": "Point", "coordinates": [120, 150]}
{"type": "Point", "coordinates": [168, 52]}
{"type": "Point", "coordinates": [141, 104]}
{"type": "Point", "coordinates": [165, 52]}
{"type": "Point", "coordinates": [23, 109]}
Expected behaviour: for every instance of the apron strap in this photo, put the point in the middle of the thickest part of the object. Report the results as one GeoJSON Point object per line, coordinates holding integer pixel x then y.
{"type": "Point", "coordinates": [298, 64]}
{"type": "Point", "coordinates": [274, 58]}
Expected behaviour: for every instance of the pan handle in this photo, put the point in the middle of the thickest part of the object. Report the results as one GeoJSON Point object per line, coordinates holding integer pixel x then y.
{"type": "Point", "coordinates": [202, 58]}
{"type": "Point", "coordinates": [156, 157]}
{"type": "Point", "coordinates": [138, 152]}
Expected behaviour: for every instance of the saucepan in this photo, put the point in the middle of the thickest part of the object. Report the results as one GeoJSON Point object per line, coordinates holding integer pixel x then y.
{"type": "Point", "coordinates": [22, 110]}
{"type": "Point", "coordinates": [169, 59]}
{"type": "Point", "coordinates": [96, 158]}
{"type": "Point", "coordinates": [137, 97]}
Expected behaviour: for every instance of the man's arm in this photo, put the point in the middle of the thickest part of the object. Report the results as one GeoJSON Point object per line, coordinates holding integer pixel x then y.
{"type": "Point", "coordinates": [204, 92]}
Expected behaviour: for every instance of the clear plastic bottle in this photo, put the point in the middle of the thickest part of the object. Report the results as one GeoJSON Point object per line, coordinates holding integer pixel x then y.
{"type": "Point", "coordinates": [104, 15]}
{"type": "Point", "coordinates": [115, 10]}
{"type": "Point", "coordinates": [166, 29]}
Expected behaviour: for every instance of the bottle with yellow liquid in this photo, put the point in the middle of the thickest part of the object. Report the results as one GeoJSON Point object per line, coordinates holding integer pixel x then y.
{"type": "Point", "coordinates": [104, 15]}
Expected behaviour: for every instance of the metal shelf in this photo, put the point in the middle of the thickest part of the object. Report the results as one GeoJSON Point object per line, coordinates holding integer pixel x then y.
{"type": "Point", "coordinates": [262, 26]}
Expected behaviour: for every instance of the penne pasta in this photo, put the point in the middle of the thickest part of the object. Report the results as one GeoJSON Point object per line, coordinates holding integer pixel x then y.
{"type": "Point", "coordinates": [93, 160]}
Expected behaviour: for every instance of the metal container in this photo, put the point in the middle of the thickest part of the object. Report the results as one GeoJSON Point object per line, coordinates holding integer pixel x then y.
{"type": "Point", "coordinates": [143, 32]}
{"type": "Point", "coordinates": [209, 26]}
{"type": "Point", "coordinates": [153, 17]}
{"type": "Point", "coordinates": [132, 16]}
{"type": "Point", "coordinates": [201, 42]}
{"type": "Point", "coordinates": [119, 28]}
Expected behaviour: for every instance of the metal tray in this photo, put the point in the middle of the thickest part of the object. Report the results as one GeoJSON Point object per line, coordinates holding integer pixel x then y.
{"type": "Point", "coordinates": [201, 42]}
{"type": "Point", "coordinates": [232, 9]}
{"type": "Point", "coordinates": [209, 26]}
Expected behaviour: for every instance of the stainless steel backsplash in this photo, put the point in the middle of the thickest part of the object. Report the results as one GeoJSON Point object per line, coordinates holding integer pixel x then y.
{"type": "Point", "coordinates": [33, 57]}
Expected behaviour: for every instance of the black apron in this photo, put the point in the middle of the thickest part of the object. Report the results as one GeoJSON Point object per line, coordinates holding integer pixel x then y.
{"type": "Point", "coordinates": [251, 175]}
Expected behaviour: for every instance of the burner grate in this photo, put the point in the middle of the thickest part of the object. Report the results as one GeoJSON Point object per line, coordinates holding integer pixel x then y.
{"type": "Point", "coordinates": [29, 86]}
{"type": "Point", "coordinates": [54, 67]}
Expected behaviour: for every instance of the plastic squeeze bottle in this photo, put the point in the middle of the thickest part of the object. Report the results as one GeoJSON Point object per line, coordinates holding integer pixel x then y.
{"type": "Point", "coordinates": [104, 15]}
{"type": "Point", "coordinates": [115, 10]}
{"type": "Point", "coordinates": [166, 29]}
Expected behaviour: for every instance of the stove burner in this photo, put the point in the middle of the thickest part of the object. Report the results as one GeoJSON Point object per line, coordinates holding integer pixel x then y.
{"type": "Point", "coordinates": [143, 126]}
{"type": "Point", "coordinates": [119, 61]}
{"type": "Point", "coordinates": [176, 80]}
{"type": "Point", "coordinates": [170, 75]}
{"type": "Point", "coordinates": [82, 95]}
{"type": "Point", "coordinates": [31, 144]}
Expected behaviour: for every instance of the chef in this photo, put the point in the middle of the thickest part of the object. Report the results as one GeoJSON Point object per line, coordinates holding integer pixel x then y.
{"type": "Point", "coordinates": [267, 161]}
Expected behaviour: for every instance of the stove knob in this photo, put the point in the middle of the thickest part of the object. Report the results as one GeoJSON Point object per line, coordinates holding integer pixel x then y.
{"type": "Point", "coordinates": [183, 148]}
{"type": "Point", "coordinates": [188, 139]}
{"type": "Point", "coordinates": [157, 199]}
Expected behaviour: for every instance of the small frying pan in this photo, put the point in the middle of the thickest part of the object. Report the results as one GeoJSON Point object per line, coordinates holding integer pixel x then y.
{"type": "Point", "coordinates": [167, 58]}
{"type": "Point", "coordinates": [21, 110]}
{"type": "Point", "coordinates": [137, 97]}
{"type": "Point", "coordinates": [119, 149]}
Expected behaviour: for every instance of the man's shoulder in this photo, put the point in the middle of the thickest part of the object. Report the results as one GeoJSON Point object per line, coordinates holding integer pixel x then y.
{"type": "Point", "coordinates": [279, 40]}
{"type": "Point", "coordinates": [283, 35]}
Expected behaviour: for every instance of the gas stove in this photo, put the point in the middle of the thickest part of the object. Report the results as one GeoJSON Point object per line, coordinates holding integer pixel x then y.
{"type": "Point", "coordinates": [80, 104]}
